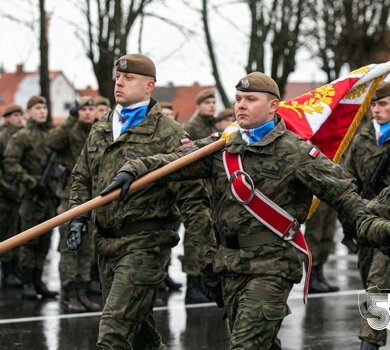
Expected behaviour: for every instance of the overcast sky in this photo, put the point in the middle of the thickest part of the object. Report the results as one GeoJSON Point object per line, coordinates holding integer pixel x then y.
{"type": "Point", "coordinates": [180, 59]}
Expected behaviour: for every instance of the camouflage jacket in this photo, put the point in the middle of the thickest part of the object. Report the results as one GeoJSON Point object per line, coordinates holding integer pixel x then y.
{"type": "Point", "coordinates": [67, 140]}
{"type": "Point", "coordinates": [364, 155]}
{"type": "Point", "coordinates": [281, 167]}
{"type": "Point", "coordinates": [200, 127]}
{"type": "Point", "coordinates": [101, 159]}
{"type": "Point", "coordinates": [374, 227]}
{"type": "Point", "coordinates": [8, 189]}
{"type": "Point", "coordinates": [26, 155]}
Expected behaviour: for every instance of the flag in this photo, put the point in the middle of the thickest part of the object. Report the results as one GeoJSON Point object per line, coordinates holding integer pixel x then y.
{"type": "Point", "coordinates": [329, 115]}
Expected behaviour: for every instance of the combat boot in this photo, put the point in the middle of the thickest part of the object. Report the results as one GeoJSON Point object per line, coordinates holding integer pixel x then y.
{"type": "Point", "coordinates": [69, 299]}
{"type": "Point", "coordinates": [9, 276]}
{"type": "Point", "coordinates": [368, 346]}
{"type": "Point", "coordinates": [83, 298]}
{"type": "Point", "coordinates": [94, 284]}
{"type": "Point", "coordinates": [194, 293]}
{"type": "Point", "coordinates": [321, 277]}
{"type": "Point", "coordinates": [29, 291]}
{"type": "Point", "coordinates": [315, 285]}
{"type": "Point", "coordinates": [41, 287]}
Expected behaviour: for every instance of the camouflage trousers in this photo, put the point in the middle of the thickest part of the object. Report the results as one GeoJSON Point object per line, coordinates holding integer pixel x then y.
{"type": "Point", "coordinates": [9, 226]}
{"type": "Point", "coordinates": [32, 254]}
{"type": "Point", "coordinates": [130, 281]}
{"type": "Point", "coordinates": [256, 306]}
{"type": "Point", "coordinates": [74, 266]}
{"type": "Point", "coordinates": [189, 261]}
{"type": "Point", "coordinates": [320, 231]}
{"type": "Point", "coordinates": [378, 278]}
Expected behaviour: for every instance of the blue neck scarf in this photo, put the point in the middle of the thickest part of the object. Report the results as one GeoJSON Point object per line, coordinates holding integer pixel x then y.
{"type": "Point", "coordinates": [382, 132]}
{"type": "Point", "coordinates": [132, 116]}
{"type": "Point", "coordinates": [253, 135]}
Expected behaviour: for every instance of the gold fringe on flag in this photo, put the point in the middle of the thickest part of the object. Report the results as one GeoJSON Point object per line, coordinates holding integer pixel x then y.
{"type": "Point", "coordinates": [350, 133]}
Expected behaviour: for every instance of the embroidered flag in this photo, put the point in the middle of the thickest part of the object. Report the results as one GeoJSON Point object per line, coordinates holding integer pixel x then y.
{"type": "Point", "coordinates": [329, 115]}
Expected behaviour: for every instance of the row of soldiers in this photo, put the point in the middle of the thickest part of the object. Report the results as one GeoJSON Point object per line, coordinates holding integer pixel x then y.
{"type": "Point", "coordinates": [37, 160]}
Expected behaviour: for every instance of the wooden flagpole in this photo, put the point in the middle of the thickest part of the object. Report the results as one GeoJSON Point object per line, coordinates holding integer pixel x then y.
{"type": "Point", "coordinates": [97, 202]}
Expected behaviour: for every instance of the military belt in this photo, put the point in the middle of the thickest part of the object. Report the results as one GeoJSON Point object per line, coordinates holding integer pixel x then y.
{"type": "Point", "coordinates": [130, 228]}
{"type": "Point", "coordinates": [255, 239]}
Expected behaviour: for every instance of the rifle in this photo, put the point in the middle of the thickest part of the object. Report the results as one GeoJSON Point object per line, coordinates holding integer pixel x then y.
{"type": "Point", "coordinates": [371, 190]}
{"type": "Point", "coordinates": [46, 175]}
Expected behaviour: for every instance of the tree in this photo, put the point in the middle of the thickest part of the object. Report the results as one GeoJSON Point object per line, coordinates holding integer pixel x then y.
{"type": "Point", "coordinates": [275, 29]}
{"type": "Point", "coordinates": [277, 23]}
{"type": "Point", "coordinates": [44, 74]}
{"type": "Point", "coordinates": [348, 32]}
{"type": "Point", "coordinates": [109, 24]}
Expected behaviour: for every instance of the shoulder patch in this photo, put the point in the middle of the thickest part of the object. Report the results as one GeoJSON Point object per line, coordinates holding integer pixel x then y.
{"type": "Point", "coordinates": [14, 136]}
{"type": "Point", "coordinates": [185, 141]}
{"type": "Point", "coordinates": [215, 135]}
{"type": "Point", "coordinates": [314, 152]}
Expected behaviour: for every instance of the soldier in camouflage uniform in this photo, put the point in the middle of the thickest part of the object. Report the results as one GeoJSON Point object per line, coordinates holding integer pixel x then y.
{"type": "Point", "coordinates": [25, 159]}
{"type": "Point", "coordinates": [67, 140]}
{"type": "Point", "coordinates": [9, 200]}
{"type": "Point", "coordinates": [374, 228]}
{"type": "Point", "coordinates": [319, 235]}
{"type": "Point", "coordinates": [103, 106]}
{"type": "Point", "coordinates": [257, 266]}
{"type": "Point", "coordinates": [202, 124]}
{"type": "Point", "coordinates": [134, 235]}
{"type": "Point", "coordinates": [365, 152]}
{"type": "Point", "coordinates": [224, 119]}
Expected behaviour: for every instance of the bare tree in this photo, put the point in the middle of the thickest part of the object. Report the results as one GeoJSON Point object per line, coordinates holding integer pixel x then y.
{"type": "Point", "coordinates": [349, 32]}
{"type": "Point", "coordinates": [277, 23]}
{"type": "Point", "coordinates": [210, 47]}
{"type": "Point", "coordinates": [44, 74]}
{"type": "Point", "coordinates": [109, 25]}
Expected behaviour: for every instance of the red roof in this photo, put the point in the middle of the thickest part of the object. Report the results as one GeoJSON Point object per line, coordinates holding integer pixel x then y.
{"type": "Point", "coordinates": [88, 91]}
{"type": "Point", "coordinates": [181, 97]}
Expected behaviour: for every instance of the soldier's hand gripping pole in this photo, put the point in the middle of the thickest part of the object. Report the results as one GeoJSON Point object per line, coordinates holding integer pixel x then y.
{"type": "Point", "coordinates": [97, 202]}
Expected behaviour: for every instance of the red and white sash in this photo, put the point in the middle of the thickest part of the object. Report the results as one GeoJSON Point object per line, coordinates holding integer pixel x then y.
{"type": "Point", "coordinates": [266, 211]}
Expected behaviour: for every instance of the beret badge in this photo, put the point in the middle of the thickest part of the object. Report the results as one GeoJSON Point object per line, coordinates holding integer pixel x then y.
{"type": "Point", "coordinates": [123, 64]}
{"type": "Point", "coordinates": [245, 83]}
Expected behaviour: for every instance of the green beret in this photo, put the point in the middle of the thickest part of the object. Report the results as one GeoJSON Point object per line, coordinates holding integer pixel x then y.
{"type": "Point", "coordinates": [34, 100]}
{"type": "Point", "coordinates": [166, 105]}
{"type": "Point", "coordinates": [102, 101]}
{"type": "Point", "coordinates": [136, 64]}
{"type": "Point", "coordinates": [382, 91]}
{"type": "Point", "coordinates": [12, 109]}
{"type": "Point", "coordinates": [258, 82]}
{"type": "Point", "coordinates": [225, 113]}
{"type": "Point", "coordinates": [86, 101]}
{"type": "Point", "coordinates": [204, 95]}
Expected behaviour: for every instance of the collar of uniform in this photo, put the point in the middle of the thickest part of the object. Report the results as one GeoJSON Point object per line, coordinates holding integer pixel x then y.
{"type": "Point", "coordinates": [83, 126]}
{"type": "Point", "coordinates": [260, 146]}
{"type": "Point", "coordinates": [11, 129]}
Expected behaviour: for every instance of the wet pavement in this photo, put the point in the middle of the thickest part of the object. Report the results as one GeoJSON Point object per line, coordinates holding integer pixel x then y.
{"type": "Point", "coordinates": [328, 322]}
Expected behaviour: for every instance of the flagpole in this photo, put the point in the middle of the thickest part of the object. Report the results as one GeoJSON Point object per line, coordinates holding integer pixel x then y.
{"type": "Point", "coordinates": [99, 201]}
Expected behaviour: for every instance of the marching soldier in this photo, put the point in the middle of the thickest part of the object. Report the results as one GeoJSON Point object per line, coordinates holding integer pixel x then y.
{"type": "Point", "coordinates": [224, 119]}
{"type": "Point", "coordinates": [368, 161]}
{"type": "Point", "coordinates": [9, 199]}
{"type": "Point", "coordinates": [26, 160]}
{"type": "Point", "coordinates": [319, 235]}
{"type": "Point", "coordinates": [260, 251]}
{"type": "Point", "coordinates": [67, 140]}
{"type": "Point", "coordinates": [202, 124]}
{"type": "Point", "coordinates": [103, 106]}
{"type": "Point", "coordinates": [134, 235]}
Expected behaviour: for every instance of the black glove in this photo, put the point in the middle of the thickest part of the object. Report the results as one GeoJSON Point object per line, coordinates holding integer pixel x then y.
{"type": "Point", "coordinates": [122, 180]}
{"type": "Point", "coordinates": [77, 227]}
{"type": "Point", "coordinates": [40, 190]}
{"type": "Point", "coordinates": [213, 284]}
